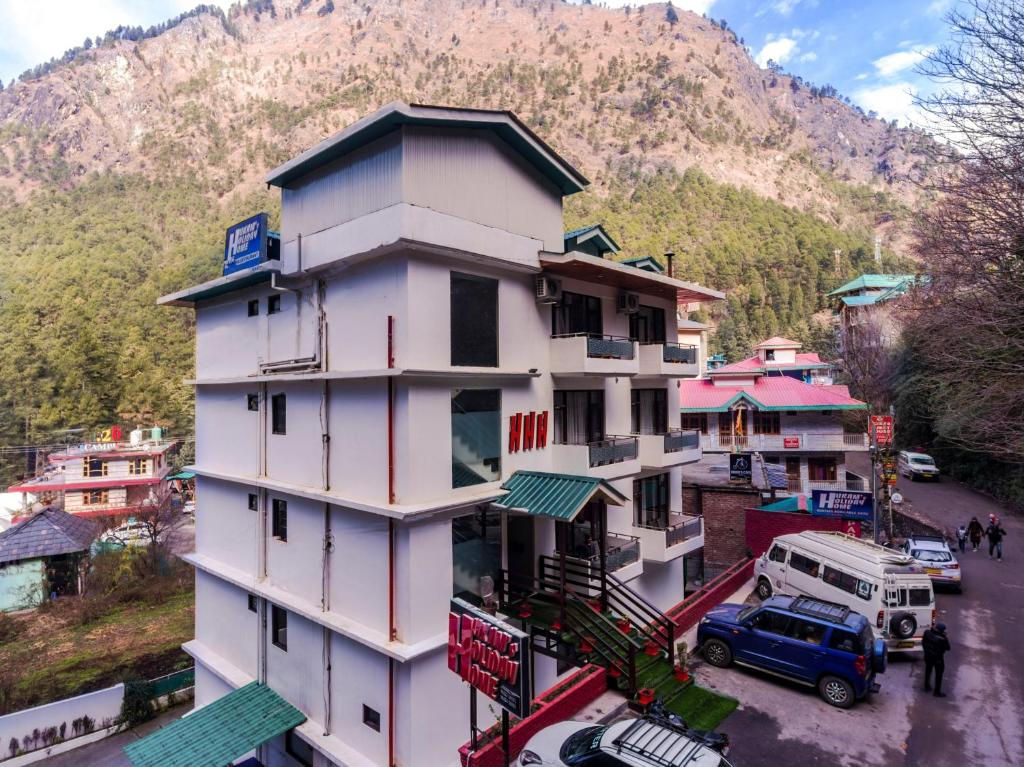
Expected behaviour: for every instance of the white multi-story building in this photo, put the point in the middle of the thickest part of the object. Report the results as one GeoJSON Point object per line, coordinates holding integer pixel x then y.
{"type": "Point", "coordinates": [428, 335]}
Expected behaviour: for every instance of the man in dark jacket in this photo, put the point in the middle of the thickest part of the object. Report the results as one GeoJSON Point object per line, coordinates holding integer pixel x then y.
{"type": "Point", "coordinates": [995, 533]}
{"type": "Point", "coordinates": [935, 644]}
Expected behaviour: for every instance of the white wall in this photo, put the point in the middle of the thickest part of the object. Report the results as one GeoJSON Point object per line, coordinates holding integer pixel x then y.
{"type": "Point", "coordinates": [228, 341]}
{"type": "Point", "coordinates": [296, 457]}
{"type": "Point", "coordinates": [358, 567]}
{"type": "Point", "coordinates": [209, 686]}
{"type": "Point", "coordinates": [423, 578]}
{"type": "Point", "coordinates": [101, 705]}
{"type": "Point", "coordinates": [360, 677]}
{"type": "Point", "coordinates": [296, 565]}
{"type": "Point", "coordinates": [297, 674]}
{"type": "Point", "coordinates": [359, 439]}
{"type": "Point", "coordinates": [224, 623]}
{"type": "Point", "coordinates": [356, 309]}
{"type": "Point", "coordinates": [227, 433]}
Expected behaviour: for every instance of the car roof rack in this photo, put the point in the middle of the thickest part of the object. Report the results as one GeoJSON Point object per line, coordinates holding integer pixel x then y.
{"type": "Point", "coordinates": [819, 608]}
{"type": "Point", "coordinates": [659, 741]}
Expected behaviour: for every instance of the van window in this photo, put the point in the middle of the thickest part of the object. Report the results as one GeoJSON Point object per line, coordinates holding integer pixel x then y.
{"type": "Point", "coordinates": [771, 622]}
{"type": "Point", "coordinates": [851, 584]}
{"type": "Point", "coordinates": [806, 631]}
{"type": "Point", "coordinates": [804, 564]}
{"type": "Point", "coordinates": [920, 597]}
{"type": "Point", "coordinates": [778, 553]}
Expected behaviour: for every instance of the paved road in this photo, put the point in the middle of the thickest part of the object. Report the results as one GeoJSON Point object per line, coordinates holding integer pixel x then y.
{"type": "Point", "coordinates": [108, 752]}
{"type": "Point", "coordinates": [980, 724]}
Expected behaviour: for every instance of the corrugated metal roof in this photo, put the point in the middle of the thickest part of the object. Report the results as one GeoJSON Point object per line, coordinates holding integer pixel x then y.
{"type": "Point", "coordinates": [605, 242]}
{"type": "Point", "coordinates": [873, 282]}
{"type": "Point", "coordinates": [778, 342]}
{"type": "Point", "coordinates": [219, 733]}
{"type": "Point", "coordinates": [766, 393]}
{"type": "Point", "coordinates": [561, 496]}
{"type": "Point", "coordinates": [47, 534]}
{"type": "Point", "coordinates": [645, 262]}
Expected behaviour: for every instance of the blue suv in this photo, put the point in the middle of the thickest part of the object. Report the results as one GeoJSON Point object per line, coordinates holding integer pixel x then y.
{"type": "Point", "coordinates": [817, 643]}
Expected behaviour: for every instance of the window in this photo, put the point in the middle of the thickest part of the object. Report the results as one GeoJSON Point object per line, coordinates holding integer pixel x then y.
{"type": "Point", "coordinates": [846, 641]}
{"type": "Point", "coordinates": [279, 627]}
{"type": "Point", "coordinates": [649, 410]}
{"type": "Point", "coordinates": [252, 401]}
{"type": "Point", "coordinates": [851, 584]}
{"type": "Point", "coordinates": [806, 631]}
{"type": "Point", "coordinates": [252, 603]}
{"type": "Point", "coordinates": [273, 304]}
{"type": "Point", "coordinates": [298, 749]}
{"type": "Point", "coordinates": [254, 502]}
{"type": "Point", "coordinates": [647, 325]}
{"type": "Point", "coordinates": [698, 421]}
{"type": "Point", "coordinates": [253, 307]}
{"type": "Point", "coordinates": [94, 498]}
{"type": "Point", "coordinates": [651, 501]}
{"type": "Point", "coordinates": [278, 414]}
{"type": "Point", "coordinates": [821, 469]}
{"type": "Point", "coordinates": [771, 622]}
{"type": "Point", "coordinates": [279, 519]}
{"type": "Point", "coordinates": [769, 355]}
{"type": "Point", "coordinates": [804, 564]}
{"type": "Point", "coordinates": [579, 417]}
{"type": "Point", "coordinates": [575, 314]}
{"type": "Point", "coordinates": [778, 553]}
{"type": "Point", "coordinates": [474, 320]}
{"type": "Point", "coordinates": [920, 597]}
{"type": "Point", "coordinates": [371, 718]}
{"type": "Point", "coordinates": [476, 436]}
{"type": "Point", "coordinates": [766, 423]}
{"type": "Point", "coordinates": [138, 466]}
{"type": "Point", "coordinates": [94, 467]}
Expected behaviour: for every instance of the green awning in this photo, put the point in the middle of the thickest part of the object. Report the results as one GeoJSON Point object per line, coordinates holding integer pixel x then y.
{"type": "Point", "coordinates": [219, 733]}
{"type": "Point", "coordinates": [182, 475]}
{"type": "Point", "coordinates": [561, 496]}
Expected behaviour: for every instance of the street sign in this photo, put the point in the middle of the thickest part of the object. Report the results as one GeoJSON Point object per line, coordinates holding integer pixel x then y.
{"type": "Point", "coordinates": [245, 244]}
{"type": "Point", "coordinates": [881, 429]}
{"type": "Point", "coordinates": [842, 504]}
{"type": "Point", "coordinates": [490, 655]}
{"type": "Point", "coordinates": [896, 498]}
{"type": "Point", "coordinates": [740, 467]}
{"type": "Point", "coordinates": [790, 442]}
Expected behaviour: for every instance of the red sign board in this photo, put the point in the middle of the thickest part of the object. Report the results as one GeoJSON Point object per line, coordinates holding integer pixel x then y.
{"type": "Point", "coordinates": [527, 431]}
{"type": "Point", "coordinates": [881, 429]}
{"type": "Point", "coordinates": [791, 442]}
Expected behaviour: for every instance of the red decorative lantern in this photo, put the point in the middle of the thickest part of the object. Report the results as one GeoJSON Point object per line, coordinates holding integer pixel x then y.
{"type": "Point", "coordinates": [645, 696]}
{"type": "Point", "coordinates": [525, 611]}
{"type": "Point", "coordinates": [595, 605]}
{"type": "Point", "coordinates": [681, 674]}
{"type": "Point", "coordinates": [624, 625]}
{"type": "Point", "coordinates": [614, 672]}
{"type": "Point", "coordinates": [651, 649]}
{"type": "Point", "coordinates": [556, 625]}
{"type": "Point", "coordinates": [586, 646]}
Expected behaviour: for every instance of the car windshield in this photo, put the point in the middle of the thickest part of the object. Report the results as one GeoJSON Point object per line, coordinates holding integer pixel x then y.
{"type": "Point", "coordinates": [743, 614]}
{"type": "Point", "coordinates": [931, 555]}
{"type": "Point", "coordinates": [580, 744]}
{"type": "Point", "coordinates": [923, 460]}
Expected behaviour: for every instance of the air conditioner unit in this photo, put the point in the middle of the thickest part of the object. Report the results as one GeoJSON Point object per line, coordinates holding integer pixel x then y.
{"type": "Point", "coordinates": [547, 290]}
{"type": "Point", "coordinates": [628, 303]}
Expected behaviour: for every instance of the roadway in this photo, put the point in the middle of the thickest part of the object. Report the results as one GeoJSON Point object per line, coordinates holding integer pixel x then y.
{"type": "Point", "coordinates": [980, 723]}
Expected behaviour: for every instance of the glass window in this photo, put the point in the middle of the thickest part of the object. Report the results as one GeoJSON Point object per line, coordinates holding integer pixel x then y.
{"type": "Point", "coordinates": [851, 584]}
{"type": "Point", "coordinates": [94, 498]}
{"type": "Point", "coordinates": [474, 320]}
{"type": "Point", "coordinates": [138, 466]}
{"type": "Point", "coordinates": [821, 469]}
{"type": "Point", "coordinates": [273, 304]}
{"type": "Point", "coordinates": [476, 552]}
{"type": "Point", "coordinates": [806, 631]}
{"type": "Point", "coordinates": [279, 519]}
{"type": "Point", "coordinates": [931, 555]}
{"type": "Point", "coordinates": [298, 749]}
{"type": "Point", "coordinates": [771, 622]}
{"type": "Point", "coordinates": [778, 553]}
{"type": "Point", "coordinates": [576, 313]}
{"type": "Point", "coordinates": [279, 627]}
{"type": "Point", "coordinates": [804, 564]}
{"type": "Point", "coordinates": [371, 718]}
{"type": "Point", "coordinates": [581, 743]}
{"type": "Point", "coordinates": [846, 641]}
{"type": "Point", "coordinates": [651, 501]}
{"type": "Point", "coordinates": [253, 308]}
{"type": "Point", "coordinates": [252, 602]}
{"type": "Point", "coordinates": [476, 436]}
{"type": "Point", "coordinates": [94, 467]}
{"type": "Point", "coordinates": [579, 417]}
{"type": "Point", "coordinates": [253, 502]}
{"type": "Point", "coordinates": [279, 414]}
{"type": "Point", "coordinates": [647, 325]}
{"type": "Point", "coordinates": [920, 597]}
{"type": "Point", "coordinates": [252, 401]}
{"type": "Point", "coordinates": [649, 410]}
{"type": "Point", "coordinates": [698, 421]}
{"type": "Point", "coordinates": [766, 422]}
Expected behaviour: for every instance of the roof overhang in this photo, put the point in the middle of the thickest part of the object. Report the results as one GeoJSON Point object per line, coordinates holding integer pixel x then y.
{"type": "Point", "coordinates": [595, 234]}
{"type": "Point", "coordinates": [559, 496]}
{"type": "Point", "coordinates": [604, 272]}
{"type": "Point", "coordinates": [744, 396]}
{"type": "Point", "coordinates": [397, 114]}
{"type": "Point", "coordinates": [221, 285]}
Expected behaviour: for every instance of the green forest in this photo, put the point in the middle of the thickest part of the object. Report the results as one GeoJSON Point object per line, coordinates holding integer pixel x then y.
{"type": "Point", "coordinates": [83, 345]}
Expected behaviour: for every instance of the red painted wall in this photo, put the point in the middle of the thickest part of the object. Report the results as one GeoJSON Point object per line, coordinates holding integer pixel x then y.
{"type": "Point", "coordinates": [763, 526]}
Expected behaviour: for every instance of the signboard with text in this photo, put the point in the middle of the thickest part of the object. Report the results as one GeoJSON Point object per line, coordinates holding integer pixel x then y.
{"type": "Point", "coordinates": [881, 429]}
{"type": "Point", "coordinates": [790, 442]}
{"type": "Point", "coordinates": [842, 504]}
{"type": "Point", "coordinates": [490, 655]}
{"type": "Point", "coordinates": [245, 244]}
{"type": "Point", "coordinates": [740, 467]}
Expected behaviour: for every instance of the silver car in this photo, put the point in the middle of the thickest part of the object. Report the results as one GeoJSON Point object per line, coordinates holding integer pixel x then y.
{"type": "Point", "coordinates": [917, 466]}
{"type": "Point", "coordinates": [937, 559]}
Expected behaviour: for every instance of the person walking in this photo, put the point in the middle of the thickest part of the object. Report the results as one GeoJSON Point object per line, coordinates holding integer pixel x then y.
{"type": "Point", "coordinates": [961, 538]}
{"type": "Point", "coordinates": [995, 532]}
{"type": "Point", "coordinates": [974, 531]}
{"type": "Point", "coordinates": [935, 644]}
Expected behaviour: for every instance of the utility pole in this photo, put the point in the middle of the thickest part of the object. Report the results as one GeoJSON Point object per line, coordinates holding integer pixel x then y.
{"type": "Point", "coordinates": [874, 487]}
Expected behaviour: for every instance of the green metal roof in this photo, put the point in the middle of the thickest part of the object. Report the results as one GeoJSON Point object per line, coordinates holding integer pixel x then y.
{"type": "Point", "coordinates": [602, 241]}
{"type": "Point", "coordinates": [860, 300]}
{"type": "Point", "coordinates": [873, 282]}
{"type": "Point", "coordinates": [219, 733]}
{"type": "Point", "coordinates": [182, 475]}
{"type": "Point", "coordinates": [221, 285]}
{"type": "Point", "coordinates": [645, 262]}
{"type": "Point", "coordinates": [561, 496]}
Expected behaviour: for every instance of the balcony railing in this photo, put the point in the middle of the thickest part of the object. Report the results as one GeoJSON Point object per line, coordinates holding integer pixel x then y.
{"type": "Point", "coordinates": [680, 439]}
{"type": "Point", "coordinates": [682, 353]}
{"type": "Point", "coordinates": [837, 442]}
{"type": "Point", "coordinates": [678, 528]}
{"type": "Point", "coordinates": [605, 347]}
{"type": "Point", "coordinates": [613, 450]}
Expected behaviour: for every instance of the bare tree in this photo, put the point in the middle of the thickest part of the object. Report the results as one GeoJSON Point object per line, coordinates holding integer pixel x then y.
{"type": "Point", "coordinates": [869, 360]}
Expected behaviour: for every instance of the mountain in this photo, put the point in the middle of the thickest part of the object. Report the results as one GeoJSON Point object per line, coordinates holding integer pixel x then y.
{"type": "Point", "coordinates": [121, 165]}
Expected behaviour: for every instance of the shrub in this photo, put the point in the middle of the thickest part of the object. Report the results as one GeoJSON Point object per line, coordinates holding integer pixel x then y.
{"type": "Point", "coordinates": [137, 706]}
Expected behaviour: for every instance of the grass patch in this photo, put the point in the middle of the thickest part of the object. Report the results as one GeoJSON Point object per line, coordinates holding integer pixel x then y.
{"type": "Point", "coordinates": [701, 708]}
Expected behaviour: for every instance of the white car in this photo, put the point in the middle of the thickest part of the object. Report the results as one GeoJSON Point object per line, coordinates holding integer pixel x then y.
{"type": "Point", "coordinates": [629, 743]}
{"type": "Point", "coordinates": [934, 555]}
{"type": "Point", "coordinates": [916, 466]}
{"type": "Point", "coordinates": [131, 533]}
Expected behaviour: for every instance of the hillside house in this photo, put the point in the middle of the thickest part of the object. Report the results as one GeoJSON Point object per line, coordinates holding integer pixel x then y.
{"type": "Point", "coordinates": [867, 303]}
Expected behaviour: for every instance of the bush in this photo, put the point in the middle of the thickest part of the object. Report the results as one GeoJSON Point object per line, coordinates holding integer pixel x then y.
{"type": "Point", "coordinates": [137, 706]}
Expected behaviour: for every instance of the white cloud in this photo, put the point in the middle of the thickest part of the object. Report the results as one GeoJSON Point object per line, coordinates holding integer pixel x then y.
{"type": "Point", "coordinates": [893, 102]}
{"type": "Point", "coordinates": [894, 63]}
{"type": "Point", "coordinates": [809, 56]}
{"type": "Point", "coordinates": [861, 76]}
{"type": "Point", "coordinates": [939, 7]}
{"type": "Point", "coordinates": [779, 51]}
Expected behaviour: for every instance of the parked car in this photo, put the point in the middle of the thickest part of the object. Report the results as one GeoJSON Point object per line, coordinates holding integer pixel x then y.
{"type": "Point", "coordinates": [916, 466]}
{"type": "Point", "coordinates": [867, 578]}
{"type": "Point", "coordinates": [934, 555]}
{"type": "Point", "coordinates": [130, 533]}
{"type": "Point", "coordinates": [645, 742]}
{"type": "Point", "coordinates": [813, 642]}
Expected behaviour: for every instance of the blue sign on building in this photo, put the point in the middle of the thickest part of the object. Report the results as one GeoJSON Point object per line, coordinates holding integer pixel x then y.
{"type": "Point", "coordinates": [245, 245]}
{"type": "Point", "coordinates": [844, 504]}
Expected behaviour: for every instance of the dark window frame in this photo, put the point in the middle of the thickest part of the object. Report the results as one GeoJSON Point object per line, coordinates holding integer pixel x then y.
{"type": "Point", "coordinates": [474, 335]}
{"type": "Point", "coordinates": [252, 402]}
{"type": "Point", "coordinates": [274, 304]}
{"type": "Point", "coordinates": [647, 325]}
{"type": "Point", "coordinates": [595, 426]}
{"type": "Point", "coordinates": [253, 308]}
{"type": "Point", "coordinates": [772, 556]}
{"type": "Point", "coordinates": [696, 421]}
{"type": "Point", "coordinates": [639, 404]}
{"type": "Point", "coordinates": [279, 519]}
{"type": "Point", "coordinates": [767, 422]}
{"type": "Point", "coordinates": [279, 627]}
{"type": "Point", "coordinates": [298, 753]}
{"type": "Point", "coordinates": [253, 604]}
{"type": "Point", "coordinates": [254, 502]}
{"type": "Point", "coordinates": [657, 485]}
{"type": "Point", "coordinates": [371, 718]}
{"type": "Point", "coordinates": [279, 413]}
{"type": "Point", "coordinates": [804, 564]}
{"type": "Point", "coordinates": [577, 314]}
{"type": "Point", "coordinates": [464, 428]}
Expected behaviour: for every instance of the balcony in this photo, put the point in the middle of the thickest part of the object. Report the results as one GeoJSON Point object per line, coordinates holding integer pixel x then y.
{"type": "Point", "coordinates": [668, 360]}
{"type": "Point", "coordinates": [852, 482]}
{"type": "Point", "coordinates": [606, 458]}
{"type": "Point", "coordinates": [672, 448]}
{"type": "Point", "coordinates": [681, 535]}
{"type": "Point", "coordinates": [586, 354]}
{"type": "Point", "coordinates": [835, 442]}
{"type": "Point", "coordinates": [621, 557]}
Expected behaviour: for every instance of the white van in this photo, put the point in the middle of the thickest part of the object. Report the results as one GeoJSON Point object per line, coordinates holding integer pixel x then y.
{"type": "Point", "coordinates": [881, 583]}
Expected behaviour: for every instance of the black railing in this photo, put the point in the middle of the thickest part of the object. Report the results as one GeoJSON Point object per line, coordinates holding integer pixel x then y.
{"type": "Point", "coordinates": [680, 439]}
{"type": "Point", "coordinates": [613, 449]}
{"type": "Point", "coordinates": [604, 346]}
{"type": "Point", "coordinates": [682, 353]}
{"type": "Point", "coordinates": [683, 530]}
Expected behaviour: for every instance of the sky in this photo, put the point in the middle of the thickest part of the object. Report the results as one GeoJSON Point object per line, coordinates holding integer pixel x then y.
{"type": "Point", "coordinates": [867, 49]}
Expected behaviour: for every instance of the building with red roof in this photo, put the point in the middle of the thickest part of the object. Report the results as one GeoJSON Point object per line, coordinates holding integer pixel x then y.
{"type": "Point", "coordinates": [783, 405]}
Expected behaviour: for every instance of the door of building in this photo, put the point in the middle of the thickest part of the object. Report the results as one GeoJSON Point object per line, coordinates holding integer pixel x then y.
{"type": "Point", "coordinates": [521, 559]}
